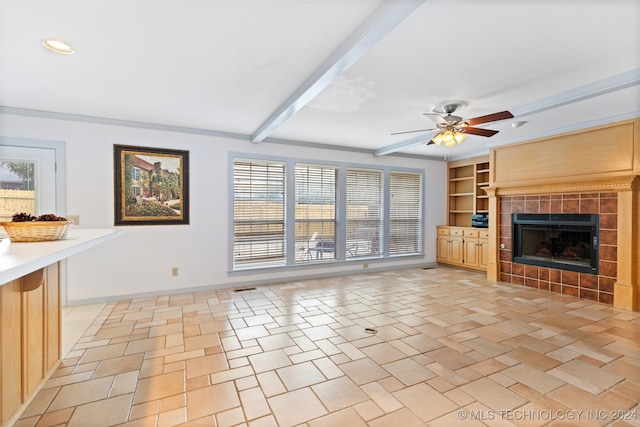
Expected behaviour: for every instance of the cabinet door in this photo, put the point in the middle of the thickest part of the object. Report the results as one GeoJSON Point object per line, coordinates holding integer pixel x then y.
{"type": "Point", "coordinates": [10, 350]}
{"type": "Point", "coordinates": [456, 254]}
{"type": "Point", "coordinates": [443, 249]}
{"type": "Point", "coordinates": [471, 251]}
{"type": "Point", "coordinates": [483, 253]}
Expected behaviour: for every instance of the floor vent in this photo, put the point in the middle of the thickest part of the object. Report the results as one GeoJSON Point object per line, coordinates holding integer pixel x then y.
{"type": "Point", "coordinates": [244, 289]}
{"type": "Point", "coordinates": [371, 331]}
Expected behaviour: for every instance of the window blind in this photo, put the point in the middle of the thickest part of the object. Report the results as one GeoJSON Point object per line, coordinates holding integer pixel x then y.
{"type": "Point", "coordinates": [364, 212]}
{"type": "Point", "coordinates": [258, 212]}
{"type": "Point", "coordinates": [405, 213]}
{"type": "Point", "coordinates": [315, 212]}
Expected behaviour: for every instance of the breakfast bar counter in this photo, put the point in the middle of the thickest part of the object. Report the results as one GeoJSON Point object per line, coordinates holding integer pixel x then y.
{"type": "Point", "coordinates": [30, 313]}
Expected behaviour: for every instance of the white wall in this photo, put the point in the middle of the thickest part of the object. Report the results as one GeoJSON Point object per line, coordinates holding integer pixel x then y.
{"type": "Point", "coordinates": [139, 262]}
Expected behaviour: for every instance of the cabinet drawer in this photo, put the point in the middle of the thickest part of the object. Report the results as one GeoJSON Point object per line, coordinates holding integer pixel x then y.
{"type": "Point", "coordinates": [484, 234]}
{"type": "Point", "coordinates": [443, 231]}
{"type": "Point", "coordinates": [455, 232]}
{"type": "Point", "coordinates": [471, 233]}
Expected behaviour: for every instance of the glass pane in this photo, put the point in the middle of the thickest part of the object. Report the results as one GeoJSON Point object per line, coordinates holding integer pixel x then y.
{"type": "Point", "coordinates": [17, 188]}
{"type": "Point", "coordinates": [315, 189]}
{"type": "Point", "coordinates": [405, 213]}
{"type": "Point", "coordinates": [364, 212]}
{"type": "Point", "coordinates": [258, 213]}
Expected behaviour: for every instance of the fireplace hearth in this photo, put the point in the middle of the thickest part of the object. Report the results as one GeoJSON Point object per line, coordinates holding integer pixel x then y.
{"type": "Point", "coordinates": [563, 241]}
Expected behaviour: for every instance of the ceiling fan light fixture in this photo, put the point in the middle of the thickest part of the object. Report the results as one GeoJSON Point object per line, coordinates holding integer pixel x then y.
{"type": "Point", "coordinates": [57, 46]}
{"type": "Point", "coordinates": [459, 137]}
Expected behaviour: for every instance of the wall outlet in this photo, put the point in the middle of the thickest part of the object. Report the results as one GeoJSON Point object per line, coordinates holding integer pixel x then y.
{"type": "Point", "coordinates": [74, 218]}
{"type": "Point", "coordinates": [174, 271]}
{"type": "Point", "coordinates": [365, 265]}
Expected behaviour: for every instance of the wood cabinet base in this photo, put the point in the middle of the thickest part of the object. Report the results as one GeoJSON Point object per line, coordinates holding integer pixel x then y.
{"type": "Point", "coordinates": [30, 338]}
{"type": "Point", "coordinates": [463, 247]}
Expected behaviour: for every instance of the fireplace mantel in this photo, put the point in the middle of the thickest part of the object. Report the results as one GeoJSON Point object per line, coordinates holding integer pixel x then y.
{"type": "Point", "coordinates": [601, 160]}
{"type": "Point", "coordinates": [623, 183]}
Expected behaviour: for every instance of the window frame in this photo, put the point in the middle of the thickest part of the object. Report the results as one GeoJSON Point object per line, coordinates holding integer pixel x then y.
{"type": "Point", "coordinates": [341, 202]}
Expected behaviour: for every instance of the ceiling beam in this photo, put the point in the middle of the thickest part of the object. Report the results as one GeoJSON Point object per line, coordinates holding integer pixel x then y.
{"type": "Point", "coordinates": [377, 25]}
{"type": "Point", "coordinates": [404, 144]}
{"type": "Point", "coordinates": [580, 93]}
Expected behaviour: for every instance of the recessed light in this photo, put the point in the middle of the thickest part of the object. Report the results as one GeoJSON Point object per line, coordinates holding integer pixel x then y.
{"type": "Point", "coordinates": [57, 46]}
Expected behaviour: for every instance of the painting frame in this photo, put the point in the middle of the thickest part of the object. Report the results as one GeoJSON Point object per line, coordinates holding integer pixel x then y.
{"type": "Point", "coordinates": [151, 185]}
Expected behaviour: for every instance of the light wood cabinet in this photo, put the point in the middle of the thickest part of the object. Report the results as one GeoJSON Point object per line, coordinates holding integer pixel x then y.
{"type": "Point", "coordinates": [450, 245]}
{"type": "Point", "coordinates": [30, 337]}
{"type": "Point", "coordinates": [463, 246]}
{"type": "Point", "coordinates": [466, 196]}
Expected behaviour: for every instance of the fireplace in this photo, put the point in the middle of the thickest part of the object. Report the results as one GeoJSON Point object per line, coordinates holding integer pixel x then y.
{"type": "Point", "coordinates": [563, 241]}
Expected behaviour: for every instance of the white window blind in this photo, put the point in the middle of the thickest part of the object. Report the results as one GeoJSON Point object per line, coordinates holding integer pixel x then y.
{"type": "Point", "coordinates": [258, 213]}
{"type": "Point", "coordinates": [364, 212]}
{"type": "Point", "coordinates": [315, 212]}
{"type": "Point", "coordinates": [405, 213]}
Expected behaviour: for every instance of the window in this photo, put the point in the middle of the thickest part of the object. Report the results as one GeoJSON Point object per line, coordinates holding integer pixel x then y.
{"type": "Point", "coordinates": [136, 174]}
{"type": "Point", "coordinates": [405, 213]}
{"type": "Point", "coordinates": [258, 213]}
{"type": "Point", "coordinates": [364, 212]}
{"type": "Point", "coordinates": [289, 213]}
{"type": "Point", "coordinates": [315, 213]}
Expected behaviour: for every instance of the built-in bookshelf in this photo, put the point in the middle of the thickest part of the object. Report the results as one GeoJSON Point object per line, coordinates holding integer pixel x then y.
{"type": "Point", "coordinates": [466, 196]}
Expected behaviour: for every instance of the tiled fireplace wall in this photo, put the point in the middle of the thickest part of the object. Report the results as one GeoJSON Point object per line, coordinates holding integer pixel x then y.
{"type": "Point", "coordinates": [583, 285]}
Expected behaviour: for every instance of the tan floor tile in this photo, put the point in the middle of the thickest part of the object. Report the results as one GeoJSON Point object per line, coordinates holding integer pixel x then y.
{"type": "Point", "coordinates": [104, 352]}
{"type": "Point", "coordinates": [383, 353]}
{"type": "Point", "coordinates": [211, 400]}
{"type": "Point", "coordinates": [383, 399]}
{"type": "Point", "coordinates": [159, 386]}
{"type": "Point", "coordinates": [274, 342]}
{"type": "Point", "coordinates": [344, 418]}
{"type": "Point", "coordinates": [493, 395]}
{"type": "Point", "coordinates": [269, 360]}
{"type": "Point", "coordinates": [339, 393]}
{"type": "Point", "coordinates": [172, 418]}
{"type": "Point", "coordinates": [109, 411]}
{"type": "Point", "coordinates": [306, 404]}
{"type": "Point", "coordinates": [270, 383]}
{"type": "Point", "coordinates": [206, 365]}
{"type": "Point", "coordinates": [415, 396]}
{"type": "Point", "coordinates": [403, 417]}
{"type": "Point", "coordinates": [408, 371]}
{"type": "Point", "coordinates": [55, 418]}
{"type": "Point", "coordinates": [231, 417]}
{"type": "Point", "coordinates": [363, 371]}
{"type": "Point", "coordinates": [124, 383]}
{"type": "Point", "coordinates": [300, 375]}
{"type": "Point", "coordinates": [118, 365]}
{"type": "Point", "coordinates": [533, 378]}
{"type": "Point", "coordinates": [80, 393]}
{"type": "Point", "coordinates": [254, 403]}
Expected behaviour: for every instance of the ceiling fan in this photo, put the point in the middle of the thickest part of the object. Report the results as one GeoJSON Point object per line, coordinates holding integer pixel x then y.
{"type": "Point", "coordinates": [452, 129]}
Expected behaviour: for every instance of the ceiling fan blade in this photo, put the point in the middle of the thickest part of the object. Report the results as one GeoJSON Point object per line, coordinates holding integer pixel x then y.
{"type": "Point", "coordinates": [502, 115]}
{"type": "Point", "coordinates": [480, 132]}
{"type": "Point", "coordinates": [436, 118]}
{"type": "Point", "coordinates": [412, 131]}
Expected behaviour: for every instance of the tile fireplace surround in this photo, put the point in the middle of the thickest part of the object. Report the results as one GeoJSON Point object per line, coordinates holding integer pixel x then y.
{"type": "Point", "coordinates": [583, 285]}
{"type": "Point", "coordinates": [592, 171]}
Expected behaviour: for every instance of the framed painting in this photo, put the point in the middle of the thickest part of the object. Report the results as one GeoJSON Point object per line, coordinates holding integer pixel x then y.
{"type": "Point", "coordinates": [151, 186]}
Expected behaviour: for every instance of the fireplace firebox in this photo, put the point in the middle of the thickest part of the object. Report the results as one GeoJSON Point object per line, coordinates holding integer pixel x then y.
{"type": "Point", "coordinates": [562, 241]}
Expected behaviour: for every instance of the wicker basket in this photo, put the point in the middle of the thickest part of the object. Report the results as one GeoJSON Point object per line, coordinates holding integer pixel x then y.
{"type": "Point", "coordinates": [36, 231]}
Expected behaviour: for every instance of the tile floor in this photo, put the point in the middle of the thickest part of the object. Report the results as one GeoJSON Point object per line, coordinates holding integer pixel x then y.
{"type": "Point", "coordinates": [437, 347]}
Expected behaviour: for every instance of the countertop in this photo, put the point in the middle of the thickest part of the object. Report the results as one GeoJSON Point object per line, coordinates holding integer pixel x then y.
{"type": "Point", "coordinates": [20, 258]}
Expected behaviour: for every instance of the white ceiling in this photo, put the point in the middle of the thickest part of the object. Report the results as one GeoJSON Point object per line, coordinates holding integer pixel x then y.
{"type": "Point", "coordinates": [229, 67]}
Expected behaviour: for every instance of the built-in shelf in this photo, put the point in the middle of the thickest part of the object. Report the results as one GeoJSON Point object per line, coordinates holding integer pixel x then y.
{"type": "Point", "coordinates": [466, 180]}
